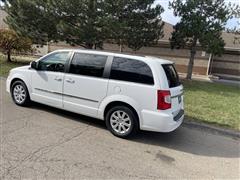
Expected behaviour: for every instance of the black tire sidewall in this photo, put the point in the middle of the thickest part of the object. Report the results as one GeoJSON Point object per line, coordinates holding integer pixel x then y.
{"type": "Point", "coordinates": [132, 116]}
{"type": "Point", "coordinates": [27, 99]}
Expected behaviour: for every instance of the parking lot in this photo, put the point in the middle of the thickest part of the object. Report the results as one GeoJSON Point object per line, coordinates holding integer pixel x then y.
{"type": "Point", "coordinates": [40, 142]}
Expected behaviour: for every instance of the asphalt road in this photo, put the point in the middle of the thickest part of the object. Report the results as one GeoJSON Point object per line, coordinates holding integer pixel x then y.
{"type": "Point", "coordinates": [41, 142]}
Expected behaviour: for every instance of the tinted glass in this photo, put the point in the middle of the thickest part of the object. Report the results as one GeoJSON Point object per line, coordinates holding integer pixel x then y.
{"type": "Point", "coordinates": [54, 62]}
{"type": "Point", "coordinates": [172, 76]}
{"type": "Point", "coordinates": [131, 70]}
{"type": "Point", "coordinates": [88, 64]}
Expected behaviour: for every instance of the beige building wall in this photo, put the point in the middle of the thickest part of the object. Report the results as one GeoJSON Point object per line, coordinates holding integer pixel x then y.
{"type": "Point", "coordinates": [228, 63]}
{"type": "Point", "coordinates": [179, 56]}
{"type": "Point", "coordinates": [3, 15]}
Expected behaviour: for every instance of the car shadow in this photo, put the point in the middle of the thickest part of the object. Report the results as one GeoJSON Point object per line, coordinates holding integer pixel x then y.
{"type": "Point", "coordinates": [184, 139]}
{"type": "Point", "coordinates": [194, 141]}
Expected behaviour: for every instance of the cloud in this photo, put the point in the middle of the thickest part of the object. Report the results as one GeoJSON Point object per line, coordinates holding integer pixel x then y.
{"type": "Point", "coordinates": [168, 14]}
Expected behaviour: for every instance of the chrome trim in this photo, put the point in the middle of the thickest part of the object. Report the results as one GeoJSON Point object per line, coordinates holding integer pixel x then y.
{"type": "Point", "coordinates": [53, 92]}
{"type": "Point", "coordinates": [44, 90]}
{"type": "Point", "coordinates": [80, 98]}
{"type": "Point", "coordinates": [177, 95]}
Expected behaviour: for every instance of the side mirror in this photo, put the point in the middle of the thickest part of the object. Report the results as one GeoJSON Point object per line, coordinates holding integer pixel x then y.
{"type": "Point", "coordinates": [34, 65]}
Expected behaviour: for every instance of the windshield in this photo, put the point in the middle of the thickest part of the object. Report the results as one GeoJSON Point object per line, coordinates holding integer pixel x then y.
{"type": "Point", "coordinates": [172, 76]}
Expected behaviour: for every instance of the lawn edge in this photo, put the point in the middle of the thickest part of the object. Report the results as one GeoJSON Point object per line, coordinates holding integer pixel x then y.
{"type": "Point", "coordinates": [212, 128]}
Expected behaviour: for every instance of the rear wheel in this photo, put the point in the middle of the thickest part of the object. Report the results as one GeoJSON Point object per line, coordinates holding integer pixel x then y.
{"type": "Point", "coordinates": [121, 121]}
{"type": "Point", "coordinates": [20, 93]}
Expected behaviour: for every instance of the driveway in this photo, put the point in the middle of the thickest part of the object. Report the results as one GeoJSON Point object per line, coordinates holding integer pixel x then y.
{"type": "Point", "coordinates": [41, 142]}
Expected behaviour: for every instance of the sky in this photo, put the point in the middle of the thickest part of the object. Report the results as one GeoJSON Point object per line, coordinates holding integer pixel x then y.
{"type": "Point", "coordinates": [168, 16]}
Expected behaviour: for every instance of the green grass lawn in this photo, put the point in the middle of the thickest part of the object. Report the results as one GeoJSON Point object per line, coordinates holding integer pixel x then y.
{"type": "Point", "coordinates": [212, 103]}
{"type": "Point", "coordinates": [204, 101]}
{"type": "Point", "coordinates": [5, 66]}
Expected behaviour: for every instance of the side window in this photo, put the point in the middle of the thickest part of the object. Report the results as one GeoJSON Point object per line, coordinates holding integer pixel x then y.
{"type": "Point", "coordinates": [131, 70]}
{"type": "Point", "coordinates": [54, 62]}
{"type": "Point", "coordinates": [88, 64]}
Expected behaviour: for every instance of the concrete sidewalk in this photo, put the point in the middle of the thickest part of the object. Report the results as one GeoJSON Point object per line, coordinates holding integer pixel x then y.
{"type": "Point", "coordinates": [213, 79]}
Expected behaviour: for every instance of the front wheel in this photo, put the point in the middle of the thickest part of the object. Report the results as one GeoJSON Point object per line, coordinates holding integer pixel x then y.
{"type": "Point", "coordinates": [121, 121]}
{"type": "Point", "coordinates": [20, 93]}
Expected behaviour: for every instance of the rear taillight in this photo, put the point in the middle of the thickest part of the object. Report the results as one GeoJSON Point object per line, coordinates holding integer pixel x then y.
{"type": "Point", "coordinates": [164, 100]}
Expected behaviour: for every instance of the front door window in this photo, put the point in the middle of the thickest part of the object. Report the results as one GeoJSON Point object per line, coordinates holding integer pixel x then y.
{"type": "Point", "coordinates": [54, 62]}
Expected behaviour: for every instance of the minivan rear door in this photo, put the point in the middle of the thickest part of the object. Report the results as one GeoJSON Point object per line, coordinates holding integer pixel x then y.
{"type": "Point", "coordinates": [176, 89]}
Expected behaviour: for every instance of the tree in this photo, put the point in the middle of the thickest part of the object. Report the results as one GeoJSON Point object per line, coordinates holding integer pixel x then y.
{"type": "Point", "coordinates": [87, 23]}
{"type": "Point", "coordinates": [78, 22]}
{"type": "Point", "coordinates": [145, 26]}
{"type": "Point", "coordinates": [10, 41]}
{"type": "Point", "coordinates": [134, 23]}
{"type": "Point", "coordinates": [201, 22]}
{"type": "Point", "coordinates": [31, 18]}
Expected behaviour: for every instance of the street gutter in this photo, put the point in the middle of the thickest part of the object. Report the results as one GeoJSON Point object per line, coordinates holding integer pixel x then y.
{"type": "Point", "coordinates": [212, 129]}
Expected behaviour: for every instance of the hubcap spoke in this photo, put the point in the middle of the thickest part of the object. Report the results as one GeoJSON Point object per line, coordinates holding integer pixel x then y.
{"type": "Point", "coordinates": [125, 124]}
{"type": "Point", "coordinates": [115, 126]}
{"type": "Point", "coordinates": [119, 128]}
{"type": "Point", "coordinates": [115, 117]}
{"type": "Point", "coordinates": [114, 120]}
{"type": "Point", "coordinates": [118, 114]}
{"type": "Point", "coordinates": [124, 128]}
{"type": "Point", "coordinates": [126, 119]}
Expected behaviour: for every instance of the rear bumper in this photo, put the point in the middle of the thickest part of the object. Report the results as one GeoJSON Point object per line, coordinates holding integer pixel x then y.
{"type": "Point", "coordinates": [161, 121]}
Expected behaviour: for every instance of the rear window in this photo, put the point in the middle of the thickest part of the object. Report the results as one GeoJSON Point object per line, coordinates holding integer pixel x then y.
{"type": "Point", "coordinates": [172, 76]}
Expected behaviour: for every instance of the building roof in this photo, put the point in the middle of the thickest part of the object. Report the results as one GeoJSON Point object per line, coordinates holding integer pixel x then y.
{"type": "Point", "coordinates": [167, 29]}
{"type": "Point", "coordinates": [230, 41]}
{"type": "Point", "coordinates": [229, 38]}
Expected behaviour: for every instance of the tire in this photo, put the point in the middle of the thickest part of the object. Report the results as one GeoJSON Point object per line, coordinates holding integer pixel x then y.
{"type": "Point", "coordinates": [19, 93]}
{"type": "Point", "coordinates": [121, 121]}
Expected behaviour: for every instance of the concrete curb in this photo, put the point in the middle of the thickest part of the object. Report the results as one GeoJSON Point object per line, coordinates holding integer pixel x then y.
{"type": "Point", "coordinates": [212, 129]}
{"type": "Point", "coordinates": [212, 79]}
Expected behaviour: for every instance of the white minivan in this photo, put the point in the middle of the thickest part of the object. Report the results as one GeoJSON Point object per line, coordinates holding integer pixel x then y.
{"type": "Point", "coordinates": [127, 92]}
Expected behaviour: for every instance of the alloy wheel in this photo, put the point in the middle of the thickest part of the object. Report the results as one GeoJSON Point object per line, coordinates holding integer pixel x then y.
{"type": "Point", "coordinates": [120, 122]}
{"type": "Point", "coordinates": [19, 94]}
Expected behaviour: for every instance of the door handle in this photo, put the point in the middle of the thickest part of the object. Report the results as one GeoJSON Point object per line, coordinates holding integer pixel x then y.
{"type": "Point", "coordinates": [70, 81]}
{"type": "Point", "coordinates": [58, 79]}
